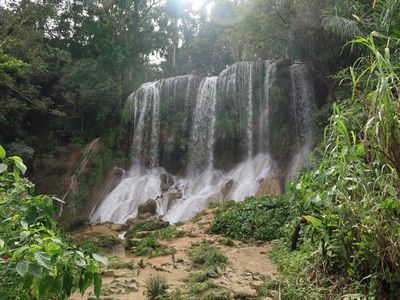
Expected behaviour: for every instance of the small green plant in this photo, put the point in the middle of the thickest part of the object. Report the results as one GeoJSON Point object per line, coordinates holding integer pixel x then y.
{"type": "Point", "coordinates": [148, 246]}
{"type": "Point", "coordinates": [206, 255]}
{"type": "Point", "coordinates": [156, 287]}
{"type": "Point", "coordinates": [198, 288]}
{"type": "Point", "coordinates": [227, 242]}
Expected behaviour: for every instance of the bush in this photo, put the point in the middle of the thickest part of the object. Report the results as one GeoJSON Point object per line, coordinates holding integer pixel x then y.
{"type": "Point", "coordinates": [37, 261]}
{"type": "Point", "coordinates": [156, 286]}
{"type": "Point", "coordinates": [254, 218]}
{"type": "Point", "coordinates": [148, 246]}
{"type": "Point", "coordinates": [349, 207]}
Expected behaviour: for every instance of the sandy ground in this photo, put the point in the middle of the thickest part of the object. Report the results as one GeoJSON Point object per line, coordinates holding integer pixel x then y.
{"type": "Point", "coordinates": [248, 264]}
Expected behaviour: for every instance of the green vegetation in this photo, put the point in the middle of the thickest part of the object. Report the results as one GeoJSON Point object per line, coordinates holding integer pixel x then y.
{"type": "Point", "coordinates": [349, 204]}
{"type": "Point", "coordinates": [107, 241]}
{"type": "Point", "coordinates": [206, 255]}
{"type": "Point", "coordinates": [210, 260]}
{"type": "Point", "coordinates": [156, 287]}
{"type": "Point", "coordinates": [145, 226]}
{"type": "Point", "coordinates": [116, 263]}
{"type": "Point", "coordinates": [148, 246]}
{"type": "Point", "coordinates": [37, 260]}
{"type": "Point", "coordinates": [66, 68]}
{"type": "Point", "coordinates": [143, 237]}
{"type": "Point", "coordinates": [254, 218]}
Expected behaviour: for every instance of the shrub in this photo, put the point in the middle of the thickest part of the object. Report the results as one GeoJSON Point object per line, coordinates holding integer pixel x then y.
{"type": "Point", "coordinates": [36, 260]}
{"type": "Point", "coordinates": [156, 286]}
{"type": "Point", "coordinates": [256, 218]}
{"type": "Point", "coordinates": [148, 246]}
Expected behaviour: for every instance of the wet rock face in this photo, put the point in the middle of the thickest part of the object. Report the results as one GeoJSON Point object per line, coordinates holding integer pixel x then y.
{"type": "Point", "coordinates": [167, 181]}
{"type": "Point", "coordinates": [226, 191]}
{"type": "Point", "coordinates": [148, 209]}
{"type": "Point", "coordinates": [173, 197]}
{"type": "Point", "coordinates": [269, 186]}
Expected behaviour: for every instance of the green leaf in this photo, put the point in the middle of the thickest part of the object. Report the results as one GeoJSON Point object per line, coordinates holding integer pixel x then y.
{"type": "Point", "coordinates": [360, 152]}
{"type": "Point", "coordinates": [19, 164]}
{"type": "Point", "coordinates": [22, 268]}
{"type": "Point", "coordinates": [2, 152]}
{"type": "Point", "coordinates": [43, 259]}
{"type": "Point", "coordinates": [97, 284]}
{"type": "Point", "coordinates": [1, 243]}
{"type": "Point", "coordinates": [53, 248]}
{"type": "Point", "coordinates": [23, 235]}
{"type": "Point", "coordinates": [80, 262]}
{"type": "Point", "coordinates": [35, 270]}
{"type": "Point", "coordinates": [314, 221]}
{"type": "Point", "coordinates": [85, 282]}
{"type": "Point", "coordinates": [3, 167]}
{"type": "Point", "coordinates": [19, 252]}
{"type": "Point", "coordinates": [24, 224]}
{"type": "Point", "coordinates": [100, 258]}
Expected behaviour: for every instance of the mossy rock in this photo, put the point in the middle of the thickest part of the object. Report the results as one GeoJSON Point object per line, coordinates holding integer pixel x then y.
{"type": "Point", "coordinates": [107, 241]}
{"type": "Point", "coordinates": [146, 225]}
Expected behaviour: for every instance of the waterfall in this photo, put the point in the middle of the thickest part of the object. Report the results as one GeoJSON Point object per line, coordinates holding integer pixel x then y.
{"type": "Point", "coordinates": [155, 127]}
{"type": "Point", "coordinates": [202, 139]}
{"type": "Point", "coordinates": [139, 124]}
{"type": "Point", "coordinates": [302, 97]}
{"type": "Point", "coordinates": [270, 74]}
{"type": "Point", "coordinates": [211, 138]}
{"type": "Point", "coordinates": [249, 83]}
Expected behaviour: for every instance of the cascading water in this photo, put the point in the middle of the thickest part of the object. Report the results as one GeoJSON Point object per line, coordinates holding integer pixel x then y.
{"type": "Point", "coordinates": [204, 140]}
{"type": "Point", "coordinates": [270, 76]}
{"type": "Point", "coordinates": [249, 83]}
{"type": "Point", "coordinates": [302, 98]}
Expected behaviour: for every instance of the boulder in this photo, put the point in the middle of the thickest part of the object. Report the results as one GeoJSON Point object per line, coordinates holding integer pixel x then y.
{"type": "Point", "coordinates": [167, 181]}
{"type": "Point", "coordinates": [144, 216]}
{"type": "Point", "coordinates": [270, 185]}
{"type": "Point", "coordinates": [107, 241]}
{"type": "Point", "coordinates": [227, 189]}
{"type": "Point", "coordinates": [147, 209]}
{"type": "Point", "coordinates": [173, 197]}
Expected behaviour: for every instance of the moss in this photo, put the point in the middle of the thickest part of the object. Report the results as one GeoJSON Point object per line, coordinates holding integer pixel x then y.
{"type": "Point", "coordinates": [147, 225]}
{"type": "Point", "coordinates": [107, 241]}
{"type": "Point", "coordinates": [148, 246]}
{"type": "Point", "coordinates": [117, 263]}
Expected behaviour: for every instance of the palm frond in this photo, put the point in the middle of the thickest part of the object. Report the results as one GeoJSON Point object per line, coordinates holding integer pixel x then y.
{"type": "Point", "coordinates": [388, 10]}
{"type": "Point", "coordinates": [341, 26]}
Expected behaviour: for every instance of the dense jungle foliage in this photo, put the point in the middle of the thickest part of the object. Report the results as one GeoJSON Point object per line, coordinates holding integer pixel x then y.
{"type": "Point", "coordinates": [37, 260]}
{"type": "Point", "coordinates": [67, 66]}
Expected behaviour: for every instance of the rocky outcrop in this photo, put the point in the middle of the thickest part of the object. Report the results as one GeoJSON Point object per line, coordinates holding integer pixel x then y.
{"type": "Point", "coordinates": [227, 189]}
{"type": "Point", "coordinates": [270, 185]}
{"type": "Point", "coordinates": [167, 181]}
{"type": "Point", "coordinates": [147, 209]}
{"type": "Point", "coordinates": [172, 198]}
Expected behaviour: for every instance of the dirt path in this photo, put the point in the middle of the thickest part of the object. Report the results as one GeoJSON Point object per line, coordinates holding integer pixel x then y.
{"type": "Point", "coordinates": [247, 268]}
